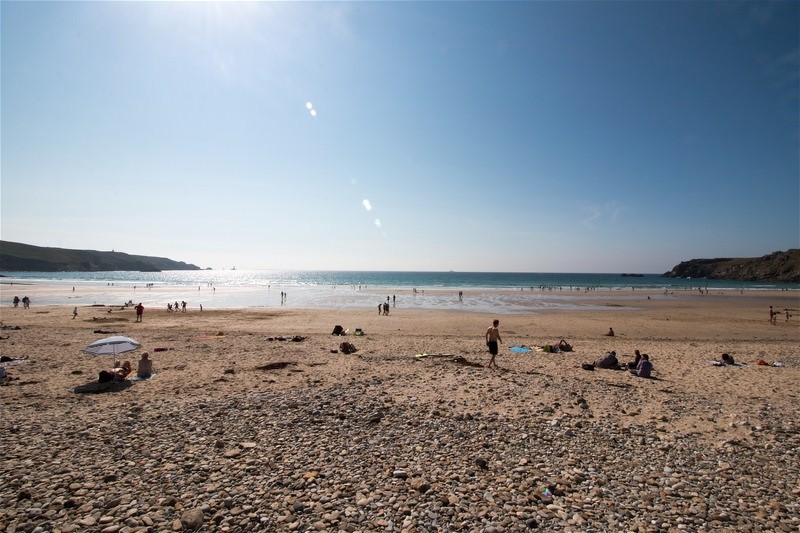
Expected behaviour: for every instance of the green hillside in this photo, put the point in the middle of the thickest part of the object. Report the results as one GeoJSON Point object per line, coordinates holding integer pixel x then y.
{"type": "Point", "coordinates": [18, 257]}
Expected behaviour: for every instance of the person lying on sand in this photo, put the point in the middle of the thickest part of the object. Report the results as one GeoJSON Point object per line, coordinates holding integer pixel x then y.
{"type": "Point", "coordinates": [7, 359]}
{"type": "Point", "coordinates": [124, 371]}
{"type": "Point", "coordinates": [609, 361]}
{"type": "Point", "coordinates": [118, 373]}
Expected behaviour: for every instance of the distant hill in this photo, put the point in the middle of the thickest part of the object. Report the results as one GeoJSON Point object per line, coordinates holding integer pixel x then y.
{"type": "Point", "coordinates": [778, 267]}
{"type": "Point", "coordinates": [17, 257]}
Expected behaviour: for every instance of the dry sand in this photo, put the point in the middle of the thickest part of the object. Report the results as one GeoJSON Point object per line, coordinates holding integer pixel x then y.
{"type": "Point", "coordinates": [239, 426]}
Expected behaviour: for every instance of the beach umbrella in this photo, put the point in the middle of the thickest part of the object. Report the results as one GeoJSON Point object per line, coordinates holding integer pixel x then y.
{"type": "Point", "coordinates": [112, 346]}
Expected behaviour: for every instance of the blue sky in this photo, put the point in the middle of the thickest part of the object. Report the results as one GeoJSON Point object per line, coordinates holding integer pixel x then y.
{"type": "Point", "coordinates": [523, 136]}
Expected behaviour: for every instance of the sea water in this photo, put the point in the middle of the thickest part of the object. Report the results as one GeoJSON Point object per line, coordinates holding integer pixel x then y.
{"type": "Point", "coordinates": [497, 292]}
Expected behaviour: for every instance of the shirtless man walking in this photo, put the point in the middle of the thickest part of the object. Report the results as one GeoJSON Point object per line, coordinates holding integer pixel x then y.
{"type": "Point", "coordinates": [492, 338]}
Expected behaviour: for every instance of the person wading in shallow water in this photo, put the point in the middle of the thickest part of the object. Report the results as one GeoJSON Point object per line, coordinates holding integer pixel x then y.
{"type": "Point", "coordinates": [492, 338]}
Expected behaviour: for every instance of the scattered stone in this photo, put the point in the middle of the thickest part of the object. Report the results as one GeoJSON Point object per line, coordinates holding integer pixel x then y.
{"type": "Point", "coordinates": [192, 519]}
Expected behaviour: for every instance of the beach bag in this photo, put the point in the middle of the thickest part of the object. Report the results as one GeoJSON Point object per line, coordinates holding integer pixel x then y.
{"type": "Point", "coordinates": [347, 348]}
{"type": "Point", "coordinates": [337, 330]}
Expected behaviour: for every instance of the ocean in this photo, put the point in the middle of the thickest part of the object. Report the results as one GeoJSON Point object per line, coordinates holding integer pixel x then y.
{"type": "Point", "coordinates": [497, 292]}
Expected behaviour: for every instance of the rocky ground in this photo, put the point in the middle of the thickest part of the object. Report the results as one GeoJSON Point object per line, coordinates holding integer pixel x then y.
{"type": "Point", "coordinates": [351, 459]}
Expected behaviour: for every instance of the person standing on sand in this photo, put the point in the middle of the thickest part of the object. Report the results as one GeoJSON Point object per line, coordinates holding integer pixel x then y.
{"type": "Point", "coordinates": [74, 313]}
{"type": "Point", "coordinates": [772, 315]}
{"type": "Point", "coordinates": [492, 338]}
{"type": "Point", "coordinates": [139, 312]}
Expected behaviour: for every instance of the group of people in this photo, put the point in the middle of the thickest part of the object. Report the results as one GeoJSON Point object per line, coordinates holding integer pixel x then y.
{"type": "Point", "coordinates": [26, 302]}
{"type": "Point", "coordinates": [120, 372]}
{"type": "Point", "coordinates": [182, 307]}
{"type": "Point", "coordinates": [773, 315]}
{"type": "Point", "coordinates": [640, 366]}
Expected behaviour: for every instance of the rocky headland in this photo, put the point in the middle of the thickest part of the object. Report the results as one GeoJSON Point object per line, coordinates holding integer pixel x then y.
{"type": "Point", "coordinates": [777, 267]}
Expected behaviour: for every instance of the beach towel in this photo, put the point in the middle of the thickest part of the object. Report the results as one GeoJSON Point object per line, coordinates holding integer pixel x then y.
{"type": "Point", "coordinates": [14, 362]}
{"type": "Point", "coordinates": [520, 349]}
{"type": "Point", "coordinates": [134, 377]}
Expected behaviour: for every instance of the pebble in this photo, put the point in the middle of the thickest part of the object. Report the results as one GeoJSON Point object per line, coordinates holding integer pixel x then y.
{"type": "Point", "coordinates": [350, 458]}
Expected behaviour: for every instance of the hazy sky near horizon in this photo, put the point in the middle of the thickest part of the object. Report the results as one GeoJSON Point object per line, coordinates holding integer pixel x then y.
{"type": "Point", "coordinates": [473, 136]}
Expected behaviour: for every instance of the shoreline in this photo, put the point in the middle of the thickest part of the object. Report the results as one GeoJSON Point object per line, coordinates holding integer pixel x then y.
{"type": "Point", "coordinates": [475, 300]}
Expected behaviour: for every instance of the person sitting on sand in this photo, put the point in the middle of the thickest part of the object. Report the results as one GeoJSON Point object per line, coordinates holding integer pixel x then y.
{"type": "Point", "coordinates": [644, 368]}
{"type": "Point", "coordinates": [610, 332]}
{"type": "Point", "coordinates": [636, 358]}
{"type": "Point", "coordinates": [728, 359]}
{"type": "Point", "coordinates": [145, 368]}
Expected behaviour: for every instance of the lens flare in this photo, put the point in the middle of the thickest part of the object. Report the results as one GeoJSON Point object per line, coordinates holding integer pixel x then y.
{"type": "Point", "coordinates": [367, 205]}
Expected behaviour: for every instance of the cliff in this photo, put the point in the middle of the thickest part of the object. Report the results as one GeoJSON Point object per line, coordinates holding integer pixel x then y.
{"type": "Point", "coordinates": [17, 257]}
{"type": "Point", "coordinates": [777, 267]}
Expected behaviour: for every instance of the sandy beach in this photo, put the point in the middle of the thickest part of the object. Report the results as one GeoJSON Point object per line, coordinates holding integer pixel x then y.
{"type": "Point", "coordinates": [255, 420]}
